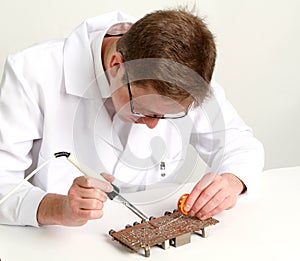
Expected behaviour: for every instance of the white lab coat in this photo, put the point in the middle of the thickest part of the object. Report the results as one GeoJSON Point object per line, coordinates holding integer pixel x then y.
{"type": "Point", "coordinates": [50, 101]}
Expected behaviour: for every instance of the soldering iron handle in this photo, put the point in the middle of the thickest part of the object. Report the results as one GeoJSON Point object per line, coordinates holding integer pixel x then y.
{"type": "Point", "coordinates": [87, 171]}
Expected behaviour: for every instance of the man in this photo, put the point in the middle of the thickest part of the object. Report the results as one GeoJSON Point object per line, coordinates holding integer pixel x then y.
{"type": "Point", "coordinates": [156, 91]}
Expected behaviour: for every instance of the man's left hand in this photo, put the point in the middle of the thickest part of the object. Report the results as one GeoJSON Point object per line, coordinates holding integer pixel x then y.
{"type": "Point", "coordinates": [213, 194]}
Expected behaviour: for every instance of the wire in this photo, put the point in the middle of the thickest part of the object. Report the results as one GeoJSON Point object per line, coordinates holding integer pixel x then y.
{"type": "Point", "coordinates": [56, 155]}
{"type": "Point", "coordinates": [26, 179]}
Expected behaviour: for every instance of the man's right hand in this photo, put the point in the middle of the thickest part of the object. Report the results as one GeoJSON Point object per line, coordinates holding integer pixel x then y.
{"type": "Point", "coordinates": [85, 201]}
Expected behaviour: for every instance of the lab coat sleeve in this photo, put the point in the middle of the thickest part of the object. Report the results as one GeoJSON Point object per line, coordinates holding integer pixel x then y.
{"type": "Point", "coordinates": [225, 142]}
{"type": "Point", "coordinates": [20, 124]}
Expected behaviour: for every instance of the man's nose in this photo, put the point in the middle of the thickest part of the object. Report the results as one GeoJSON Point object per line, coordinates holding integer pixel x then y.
{"type": "Point", "coordinates": [150, 122]}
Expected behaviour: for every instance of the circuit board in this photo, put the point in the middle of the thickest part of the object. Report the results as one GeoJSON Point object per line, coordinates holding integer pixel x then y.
{"type": "Point", "coordinates": [171, 229]}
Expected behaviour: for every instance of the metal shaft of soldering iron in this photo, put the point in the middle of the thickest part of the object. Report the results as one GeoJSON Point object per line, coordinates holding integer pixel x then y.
{"type": "Point", "coordinates": [132, 208]}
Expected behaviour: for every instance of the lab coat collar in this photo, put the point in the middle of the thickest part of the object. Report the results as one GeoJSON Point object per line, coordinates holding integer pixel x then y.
{"type": "Point", "coordinates": [102, 125]}
{"type": "Point", "coordinates": [79, 71]}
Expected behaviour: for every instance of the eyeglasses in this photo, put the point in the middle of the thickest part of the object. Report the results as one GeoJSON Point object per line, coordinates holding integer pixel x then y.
{"type": "Point", "coordinates": [153, 116]}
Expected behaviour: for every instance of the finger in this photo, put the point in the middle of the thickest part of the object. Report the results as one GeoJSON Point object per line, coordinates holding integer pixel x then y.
{"type": "Point", "coordinates": [197, 190]}
{"type": "Point", "coordinates": [83, 182]}
{"type": "Point", "coordinates": [77, 193]}
{"type": "Point", "coordinates": [90, 204]}
{"type": "Point", "coordinates": [110, 178]}
{"type": "Point", "coordinates": [215, 203]}
{"type": "Point", "coordinates": [228, 202]}
{"type": "Point", "coordinates": [89, 214]}
{"type": "Point", "coordinates": [100, 184]}
{"type": "Point", "coordinates": [206, 195]}
{"type": "Point", "coordinates": [92, 193]}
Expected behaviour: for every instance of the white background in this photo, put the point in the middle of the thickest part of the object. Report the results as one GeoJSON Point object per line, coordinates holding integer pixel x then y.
{"type": "Point", "coordinates": [258, 54]}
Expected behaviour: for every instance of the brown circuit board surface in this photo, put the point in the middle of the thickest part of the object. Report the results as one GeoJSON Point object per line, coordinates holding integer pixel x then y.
{"type": "Point", "coordinates": [159, 230]}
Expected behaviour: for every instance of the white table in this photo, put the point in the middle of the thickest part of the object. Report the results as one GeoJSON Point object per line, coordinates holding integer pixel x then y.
{"type": "Point", "coordinates": [261, 227]}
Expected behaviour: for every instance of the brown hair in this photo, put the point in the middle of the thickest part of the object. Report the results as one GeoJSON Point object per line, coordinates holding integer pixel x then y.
{"type": "Point", "coordinates": [177, 36]}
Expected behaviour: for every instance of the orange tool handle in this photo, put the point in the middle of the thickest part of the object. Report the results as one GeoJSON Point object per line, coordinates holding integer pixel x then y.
{"type": "Point", "coordinates": [181, 202]}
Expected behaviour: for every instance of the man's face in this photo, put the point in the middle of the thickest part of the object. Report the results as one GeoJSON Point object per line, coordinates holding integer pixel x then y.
{"type": "Point", "coordinates": [146, 101]}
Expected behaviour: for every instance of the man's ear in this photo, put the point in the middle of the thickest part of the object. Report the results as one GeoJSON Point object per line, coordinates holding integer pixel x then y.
{"type": "Point", "coordinates": [115, 62]}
